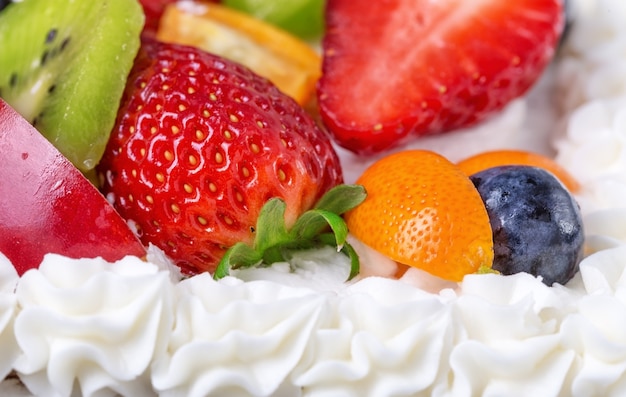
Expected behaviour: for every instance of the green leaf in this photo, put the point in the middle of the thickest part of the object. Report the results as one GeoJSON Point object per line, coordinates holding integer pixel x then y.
{"type": "Point", "coordinates": [355, 262]}
{"type": "Point", "coordinates": [322, 225]}
{"type": "Point", "coordinates": [238, 256]}
{"type": "Point", "coordinates": [346, 249]}
{"type": "Point", "coordinates": [338, 226]}
{"type": "Point", "coordinates": [342, 198]}
{"type": "Point", "coordinates": [274, 254]}
{"type": "Point", "coordinates": [327, 211]}
{"type": "Point", "coordinates": [313, 222]}
{"type": "Point", "coordinates": [270, 227]}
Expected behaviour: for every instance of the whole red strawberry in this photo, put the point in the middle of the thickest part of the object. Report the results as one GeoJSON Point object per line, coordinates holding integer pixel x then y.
{"type": "Point", "coordinates": [200, 145]}
{"type": "Point", "coordinates": [397, 68]}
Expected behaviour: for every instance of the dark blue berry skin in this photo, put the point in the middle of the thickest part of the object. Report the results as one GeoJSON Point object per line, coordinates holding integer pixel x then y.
{"type": "Point", "coordinates": [537, 225]}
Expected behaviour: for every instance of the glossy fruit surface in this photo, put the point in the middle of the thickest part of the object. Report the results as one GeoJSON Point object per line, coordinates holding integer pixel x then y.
{"type": "Point", "coordinates": [48, 206]}
{"type": "Point", "coordinates": [485, 160]}
{"type": "Point", "coordinates": [291, 64]}
{"type": "Point", "coordinates": [537, 225]}
{"type": "Point", "coordinates": [200, 145]}
{"type": "Point", "coordinates": [413, 67]}
{"type": "Point", "coordinates": [421, 210]}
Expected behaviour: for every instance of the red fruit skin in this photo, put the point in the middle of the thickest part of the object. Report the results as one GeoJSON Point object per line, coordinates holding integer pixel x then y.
{"type": "Point", "coordinates": [48, 206]}
{"type": "Point", "coordinates": [200, 144]}
{"type": "Point", "coordinates": [153, 9]}
{"type": "Point", "coordinates": [399, 68]}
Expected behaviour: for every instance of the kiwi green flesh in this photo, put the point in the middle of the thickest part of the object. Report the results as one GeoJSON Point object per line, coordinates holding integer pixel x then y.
{"type": "Point", "coordinates": [64, 65]}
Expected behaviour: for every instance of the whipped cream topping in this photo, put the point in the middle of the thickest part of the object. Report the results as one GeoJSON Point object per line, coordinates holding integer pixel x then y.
{"type": "Point", "coordinates": [594, 149]}
{"type": "Point", "coordinates": [90, 323]}
{"type": "Point", "coordinates": [591, 137]}
{"type": "Point", "coordinates": [132, 327]}
{"type": "Point", "coordinates": [88, 327]}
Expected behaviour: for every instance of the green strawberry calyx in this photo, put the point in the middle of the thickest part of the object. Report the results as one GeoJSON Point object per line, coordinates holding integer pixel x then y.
{"type": "Point", "coordinates": [322, 225]}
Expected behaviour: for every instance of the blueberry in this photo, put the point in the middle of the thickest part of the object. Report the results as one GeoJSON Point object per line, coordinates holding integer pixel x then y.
{"type": "Point", "coordinates": [537, 225]}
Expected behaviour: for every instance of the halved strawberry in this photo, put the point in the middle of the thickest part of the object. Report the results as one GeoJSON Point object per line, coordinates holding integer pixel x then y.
{"type": "Point", "coordinates": [200, 145]}
{"type": "Point", "coordinates": [399, 67]}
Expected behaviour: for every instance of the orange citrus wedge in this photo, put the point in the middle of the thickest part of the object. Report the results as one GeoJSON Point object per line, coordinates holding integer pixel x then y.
{"type": "Point", "coordinates": [421, 210]}
{"type": "Point", "coordinates": [290, 63]}
{"type": "Point", "coordinates": [495, 158]}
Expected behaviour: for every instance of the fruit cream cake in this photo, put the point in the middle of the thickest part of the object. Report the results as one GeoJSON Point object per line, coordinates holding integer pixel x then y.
{"type": "Point", "coordinates": [329, 314]}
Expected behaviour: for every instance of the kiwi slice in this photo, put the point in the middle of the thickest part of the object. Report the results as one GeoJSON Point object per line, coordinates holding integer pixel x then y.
{"type": "Point", "coordinates": [64, 65]}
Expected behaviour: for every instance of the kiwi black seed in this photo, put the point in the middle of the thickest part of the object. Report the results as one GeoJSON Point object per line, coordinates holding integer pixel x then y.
{"type": "Point", "coordinates": [64, 65]}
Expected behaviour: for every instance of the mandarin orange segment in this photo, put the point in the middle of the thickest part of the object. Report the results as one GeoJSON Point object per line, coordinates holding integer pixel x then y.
{"type": "Point", "coordinates": [291, 64]}
{"type": "Point", "coordinates": [495, 158]}
{"type": "Point", "coordinates": [422, 210]}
